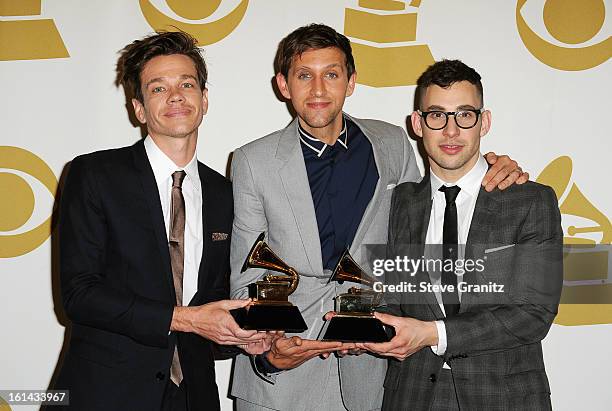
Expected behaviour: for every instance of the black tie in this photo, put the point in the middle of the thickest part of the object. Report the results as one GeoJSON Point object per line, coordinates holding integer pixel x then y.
{"type": "Point", "coordinates": [450, 240]}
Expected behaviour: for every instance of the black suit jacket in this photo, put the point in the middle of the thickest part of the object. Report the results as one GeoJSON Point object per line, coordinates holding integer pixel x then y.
{"type": "Point", "coordinates": [494, 343]}
{"type": "Point", "coordinates": [117, 287]}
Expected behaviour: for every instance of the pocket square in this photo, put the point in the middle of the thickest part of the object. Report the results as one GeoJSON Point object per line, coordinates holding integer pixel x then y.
{"type": "Point", "coordinates": [219, 236]}
{"type": "Point", "coordinates": [503, 247]}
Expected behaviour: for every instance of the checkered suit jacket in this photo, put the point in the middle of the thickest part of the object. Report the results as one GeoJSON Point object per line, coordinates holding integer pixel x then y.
{"type": "Point", "coordinates": [494, 347]}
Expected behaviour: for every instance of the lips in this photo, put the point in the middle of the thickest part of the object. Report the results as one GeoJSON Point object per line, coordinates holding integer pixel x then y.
{"type": "Point", "coordinates": [451, 149]}
{"type": "Point", "coordinates": [180, 112]}
{"type": "Point", "coordinates": [318, 105]}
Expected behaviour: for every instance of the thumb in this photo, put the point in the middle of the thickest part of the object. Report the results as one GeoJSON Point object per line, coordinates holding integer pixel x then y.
{"type": "Point", "coordinates": [491, 157]}
{"type": "Point", "coordinates": [329, 315]}
{"type": "Point", "coordinates": [387, 318]}
{"type": "Point", "coordinates": [232, 304]}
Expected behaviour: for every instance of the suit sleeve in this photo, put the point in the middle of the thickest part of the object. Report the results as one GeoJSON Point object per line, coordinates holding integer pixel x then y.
{"type": "Point", "coordinates": [249, 222]}
{"type": "Point", "coordinates": [537, 286]}
{"type": "Point", "coordinates": [88, 296]}
{"type": "Point", "coordinates": [410, 171]}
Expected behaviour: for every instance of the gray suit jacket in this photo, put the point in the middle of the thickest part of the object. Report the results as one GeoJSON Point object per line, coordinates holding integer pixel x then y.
{"type": "Point", "coordinates": [272, 195]}
{"type": "Point", "coordinates": [494, 347]}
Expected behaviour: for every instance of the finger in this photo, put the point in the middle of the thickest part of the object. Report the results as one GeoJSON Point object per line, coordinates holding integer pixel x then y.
{"type": "Point", "coordinates": [387, 319]}
{"type": "Point", "coordinates": [524, 177]}
{"type": "Point", "coordinates": [233, 304]}
{"type": "Point", "coordinates": [329, 315]}
{"type": "Point", "coordinates": [511, 179]}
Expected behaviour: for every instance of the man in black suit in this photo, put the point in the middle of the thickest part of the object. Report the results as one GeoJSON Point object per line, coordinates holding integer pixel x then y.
{"type": "Point", "coordinates": [144, 238]}
{"type": "Point", "coordinates": [460, 344]}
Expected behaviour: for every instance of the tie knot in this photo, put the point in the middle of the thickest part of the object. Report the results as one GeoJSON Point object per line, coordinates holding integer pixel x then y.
{"type": "Point", "coordinates": [177, 178]}
{"type": "Point", "coordinates": [450, 193]}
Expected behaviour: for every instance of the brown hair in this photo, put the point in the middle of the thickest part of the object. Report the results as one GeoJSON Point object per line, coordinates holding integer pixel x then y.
{"type": "Point", "coordinates": [312, 36]}
{"type": "Point", "coordinates": [134, 56]}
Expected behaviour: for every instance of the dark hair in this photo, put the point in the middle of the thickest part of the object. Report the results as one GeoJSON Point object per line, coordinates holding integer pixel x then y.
{"type": "Point", "coordinates": [134, 56]}
{"type": "Point", "coordinates": [312, 36]}
{"type": "Point", "coordinates": [445, 73]}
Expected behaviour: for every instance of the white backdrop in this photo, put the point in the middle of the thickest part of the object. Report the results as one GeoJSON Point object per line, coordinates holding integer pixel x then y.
{"type": "Point", "coordinates": [57, 108]}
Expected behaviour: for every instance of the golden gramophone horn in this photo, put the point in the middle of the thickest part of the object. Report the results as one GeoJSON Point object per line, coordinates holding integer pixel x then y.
{"type": "Point", "coordinates": [348, 270]}
{"type": "Point", "coordinates": [558, 175]}
{"type": "Point", "coordinates": [262, 256]}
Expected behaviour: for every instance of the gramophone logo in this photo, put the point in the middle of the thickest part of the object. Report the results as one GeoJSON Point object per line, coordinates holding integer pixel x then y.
{"type": "Point", "coordinates": [23, 37]}
{"type": "Point", "coordinates": [587, 259]}
{"type": "Point", "coordinates": [206, 32]}
{"type": "Point", "coordinates": [18, 202]}
{"type": "Point", "coordinates": [391, 57]}
{"type": "Point", "coordinates": [572, 24]}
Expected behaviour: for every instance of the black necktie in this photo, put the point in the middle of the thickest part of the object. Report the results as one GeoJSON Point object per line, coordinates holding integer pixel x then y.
{"type": "Point", "coordinates": [450, 240]}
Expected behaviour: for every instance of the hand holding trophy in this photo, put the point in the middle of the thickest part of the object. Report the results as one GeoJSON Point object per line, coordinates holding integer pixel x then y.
{"type": "Point", "coordinates": [271, 309]}
{"type": "Point", "coordinates": [354, 319]}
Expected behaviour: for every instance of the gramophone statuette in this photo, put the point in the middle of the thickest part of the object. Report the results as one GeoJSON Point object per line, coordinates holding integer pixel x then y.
{"type": "Point", "coordinates": [271, 309]}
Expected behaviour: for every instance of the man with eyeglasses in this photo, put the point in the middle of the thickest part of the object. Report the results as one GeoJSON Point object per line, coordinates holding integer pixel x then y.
{"type": "Point", "coordinates": [468, 339]}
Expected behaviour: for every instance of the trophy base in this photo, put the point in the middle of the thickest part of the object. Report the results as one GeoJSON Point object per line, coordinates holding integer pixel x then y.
{"type": "Point", "coordinates": [262, 317]}
{"type": "Point", "coordinates": [348, 328]}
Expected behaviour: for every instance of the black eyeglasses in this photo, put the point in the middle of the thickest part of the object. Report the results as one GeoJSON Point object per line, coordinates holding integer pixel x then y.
{"type": "Point", "coordinates": [437, 120]}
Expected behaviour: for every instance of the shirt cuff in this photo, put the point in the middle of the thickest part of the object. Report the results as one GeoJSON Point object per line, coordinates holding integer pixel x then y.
{"type": "Point", "coordinates": [264, 366]}
{"type": "Point", "coordinates": [440, 349]}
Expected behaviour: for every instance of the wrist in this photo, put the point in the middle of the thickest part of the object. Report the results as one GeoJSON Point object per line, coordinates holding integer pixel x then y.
{"type": "Point", "coordinates": [181, 320]}
{"type": "Point", "coordinates": [432, 333]}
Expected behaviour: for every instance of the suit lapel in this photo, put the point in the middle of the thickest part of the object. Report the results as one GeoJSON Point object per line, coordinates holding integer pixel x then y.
{"type": "Point", "coordinates": [151, 194]}
{"type": "Point", "coordinates": [206, 239]}
{"type": "Point", "coordinates": [293, 175]}
{"type": "Point", "coordinates": [483, 223]}
{"type": "Point", "coordinates": [420, 212]}
{"type": "Point", "coordinates": [382, 165]}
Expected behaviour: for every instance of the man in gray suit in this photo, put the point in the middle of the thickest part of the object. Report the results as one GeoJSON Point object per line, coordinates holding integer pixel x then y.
{"type": "Point", "coordinates": [464, 342]}
{"type": "Point", "coordinates": [317, 187]}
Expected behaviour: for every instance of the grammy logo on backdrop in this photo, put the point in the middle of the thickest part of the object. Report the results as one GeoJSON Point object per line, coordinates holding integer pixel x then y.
{"type": "Point", "coordinates": [206, 32]}
{"type": "Point", "coordinates": [587, 261]}
{"type": "Point", "coordinates": [28, 38]}
{"type": "Point", "coordinates": [386, 61]}
{"type": "Point", "coordinates": [573, 24]}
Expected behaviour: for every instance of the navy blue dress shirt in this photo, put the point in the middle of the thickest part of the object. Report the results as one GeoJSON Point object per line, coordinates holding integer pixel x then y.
{"type": "Point", "coordinates": [342, 180]}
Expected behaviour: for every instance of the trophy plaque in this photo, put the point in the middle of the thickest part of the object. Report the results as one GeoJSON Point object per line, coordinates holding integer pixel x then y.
{"type": "Point", "coordinates": [354, 320]}
{"type": "Point", "coordinates": [271, 309]}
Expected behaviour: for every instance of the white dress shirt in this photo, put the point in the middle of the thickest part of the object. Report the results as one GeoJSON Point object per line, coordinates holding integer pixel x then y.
{"type": "Point", "coordinates": [163, 167]}
{"type": "Point", "coordinates": [466, 202]}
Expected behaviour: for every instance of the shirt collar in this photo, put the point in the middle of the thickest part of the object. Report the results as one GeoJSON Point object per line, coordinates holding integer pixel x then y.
{"type": "Point", "coordinates": [469, 183]}
{"type": "Point", "coordinates": [317, 145]}
{"type": "Point", "coordinates": [163, 166]}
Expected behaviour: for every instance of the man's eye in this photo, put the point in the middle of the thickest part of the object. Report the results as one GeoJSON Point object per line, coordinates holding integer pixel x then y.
{"type": "Point", "coordinates": [188, 85]}
{"type": "Point", "coordinates": [436, 114]}
{"type": "Point", "coordinates": [303, 76]}
{"type": "Point", "coordinates": [464, 114]}
{"type": "Point", "coordinates": [332, 75]}
{"type": "Point", "coordinates": [158, 89]}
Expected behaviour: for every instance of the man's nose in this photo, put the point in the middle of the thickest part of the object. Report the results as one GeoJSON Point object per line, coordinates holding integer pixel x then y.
{"type": "Point", "coordinates": [318, 87]}
{"type": "Point", "coordinates": [451, 129]}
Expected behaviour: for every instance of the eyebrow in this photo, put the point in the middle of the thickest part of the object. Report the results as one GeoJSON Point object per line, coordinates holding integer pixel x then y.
{"type": "Point", "coordinates": [435, 107]}
{"type": "Point", "coordinates": [162, 79]}
{"type": "Point", "coordinates": [333, 65]}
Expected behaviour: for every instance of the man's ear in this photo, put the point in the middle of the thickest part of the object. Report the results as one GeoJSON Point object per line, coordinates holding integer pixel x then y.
{"type": "Point", "coordinates": [139, 110]}
{"type": "Point", "coordinates": [281, 82]}
{"type": "Point", "coordinates": [485, 123]}
{"type": "Point", "coordinates": [351, 84]}
{"type": "Point", "coordinates": [205, 101]}
{"type": "Point", "coordinates": [415, 119]}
